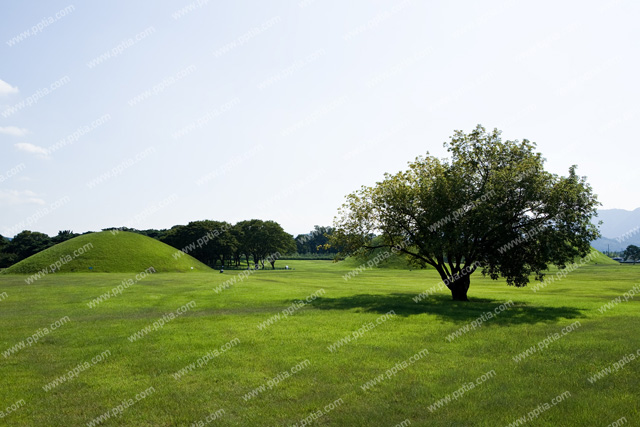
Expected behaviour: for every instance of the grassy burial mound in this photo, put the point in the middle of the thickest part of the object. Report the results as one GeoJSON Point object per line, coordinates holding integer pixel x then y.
{"type": "Point", "coordinates": [597, 257]}
{"type": "Point", "coordinates": [380, 258]}
{"type": "Point", "coordinates": [385, 258]}
{"type": "Point", "coordinates": [108, 252]}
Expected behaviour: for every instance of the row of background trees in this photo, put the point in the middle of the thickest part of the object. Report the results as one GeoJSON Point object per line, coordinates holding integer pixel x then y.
{"type": "Point", "coordinates": [218, 241]}
{"type": "Point", "coordinates": [27, 243]}
{"type": "Point", "coordinates": [211, 242]}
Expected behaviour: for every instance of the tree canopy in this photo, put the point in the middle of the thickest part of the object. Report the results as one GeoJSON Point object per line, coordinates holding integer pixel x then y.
{"type": "Point", "coordinates": [264, 240]}
{"type": "Point", "coordinates": [490, 206]}
{"type": "Point", "coordinates": [211, 242]}
{"type": "Point", "coordinates": [27, 243]}
{"type": "Point", "coordinates": [632, 253]}
{"type": "Point", "coordinates": [315, 242]}
{"type": "Point", "coordinates": [207, 241]}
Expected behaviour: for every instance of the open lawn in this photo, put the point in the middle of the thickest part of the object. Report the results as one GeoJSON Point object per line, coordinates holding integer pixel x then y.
{"type": "Point", "coordinates": [272, 349]}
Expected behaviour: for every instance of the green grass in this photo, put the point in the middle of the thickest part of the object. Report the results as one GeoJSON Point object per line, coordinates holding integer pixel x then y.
{"type": "Point", "coordinates": [385, 258]}
{"type": "Point", "coordinates": [598, 258]}
{"type": "Point", "coordinates": [122, 252]}
{"type": "Point", "coordinates": [235, 312]}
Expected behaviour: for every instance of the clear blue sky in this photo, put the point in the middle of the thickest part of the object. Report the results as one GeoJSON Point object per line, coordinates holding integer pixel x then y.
{"type": "Point", "coordinates": [151, 114]}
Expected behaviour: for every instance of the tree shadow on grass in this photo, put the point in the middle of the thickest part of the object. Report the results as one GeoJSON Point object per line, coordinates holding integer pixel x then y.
{"type": "Point", "coordinates": [446, 309]}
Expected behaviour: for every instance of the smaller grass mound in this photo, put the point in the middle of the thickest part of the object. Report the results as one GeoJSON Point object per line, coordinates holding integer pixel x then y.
{"type": "Point", "coordinates": [107, 252]}
{"type": "Point", "coordinates": [384, 258]}
{"type": "Point", "coordinates": [599, 258]}
{"type": "Point", "coordinates": [380, 258]}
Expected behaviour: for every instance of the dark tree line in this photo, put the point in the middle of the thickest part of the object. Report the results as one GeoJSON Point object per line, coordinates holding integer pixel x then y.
{"type": "Point", "coordinates": [28, 243]}
{"type": "Point", "coordinates": [215, 243]}
{"type": "Point", "coordinates": [316, 242]}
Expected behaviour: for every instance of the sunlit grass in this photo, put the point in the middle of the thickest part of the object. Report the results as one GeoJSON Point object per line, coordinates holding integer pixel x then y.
{"type": "Point", "coordinates": [342, 308]}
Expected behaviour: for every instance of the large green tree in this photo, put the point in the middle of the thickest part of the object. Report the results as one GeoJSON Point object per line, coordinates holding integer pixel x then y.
{"type": "Point", "coordinates": [489, 206]}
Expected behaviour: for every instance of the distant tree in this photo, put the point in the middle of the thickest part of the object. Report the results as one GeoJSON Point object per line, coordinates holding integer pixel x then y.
{"type": "Point", "coordinates": [252, 235]}
{"type": "Point", "coordinates": [241, 249]}
{"type": "Point", "coordinates": [316, 241]}
{"type": "Point", "coordinates": [131, 230]}
{"type": "Point", "coordinates": [176, 237]}
{"type": "Point", "coordinates": [153, 233]}
{"type": "Point", "coordinates": [6, 259]}
{"type": "Point", "coordinates": [490, 206]}
{"type": "Point", "coordinates": [208, 241]}
{"type": "Point", "coordinates": [63, 235]}
{"type": "Point", "coordinates": [277, 243]}
{"type": "Point", "coordinates": [222, 243]}
{"type": "Point", "coordinates": [632, 253]}
{"type": "Point", "coordinates": [264, 240]}
{"type": "Point", "coordinates": [27, 243]}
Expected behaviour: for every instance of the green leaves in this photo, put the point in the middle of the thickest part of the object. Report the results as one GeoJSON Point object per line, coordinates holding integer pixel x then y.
{"type": "Point", "coordinates": [632, 253]}
{"type": "Point", "coordinates": [491, 202]}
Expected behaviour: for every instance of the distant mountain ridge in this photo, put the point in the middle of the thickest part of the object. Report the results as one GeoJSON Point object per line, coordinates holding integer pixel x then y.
{"type": "Point", "coordinates": [620, 228]}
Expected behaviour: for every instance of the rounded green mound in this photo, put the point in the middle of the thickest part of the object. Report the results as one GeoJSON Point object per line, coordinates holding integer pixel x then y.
{"type": "Point", "coordinates": [108, 252]}
{"type": "Point", "coordinates": [597, 257]}
{"type": "Point", "coordinates": [383, 258]}
{"type": "Point", "coordinates": [380, 258]}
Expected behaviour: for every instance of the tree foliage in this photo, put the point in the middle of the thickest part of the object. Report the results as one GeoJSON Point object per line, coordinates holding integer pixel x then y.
{"type": "Point", "coordinates": [63, 236]}
{"type": "Point", "coordinates": [264, 240]}
{"type": "Point", "coordinates": [208, 241]}
{"type": "Point", "coordinates": [6, 259]}
{"type": "Point", "coordinates": [27, 243]}
{"type": "Point", "coordinates": [632, 253]}
{"type": "Point", "coordinates": [491, 205]}
{"type": "Point", "coordinates": [316, 241]}
{"type": "Point", "coordinates": [213, 241]}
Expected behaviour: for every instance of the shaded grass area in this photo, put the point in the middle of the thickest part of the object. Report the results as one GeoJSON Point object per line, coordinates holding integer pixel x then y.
{"type": "Point", "coordinates": [313, 325]}
{"type": "Point", "coordinates": [442, 307]}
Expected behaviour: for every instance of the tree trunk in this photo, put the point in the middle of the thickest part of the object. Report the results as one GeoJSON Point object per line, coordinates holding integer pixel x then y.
{"type": "Point", "coordinates": [459, 288]}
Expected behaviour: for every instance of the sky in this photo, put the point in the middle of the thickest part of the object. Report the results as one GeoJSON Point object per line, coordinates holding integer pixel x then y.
{"type": "Point", "coordinates": [152, 114]}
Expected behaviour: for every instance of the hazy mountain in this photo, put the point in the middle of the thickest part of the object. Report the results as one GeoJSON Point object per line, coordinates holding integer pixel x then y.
{"type": "Point", "coordinates": [620, 228]}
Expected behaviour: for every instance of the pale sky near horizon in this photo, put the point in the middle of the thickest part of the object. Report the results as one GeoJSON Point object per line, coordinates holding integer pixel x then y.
{"type": "Point", "coordinates": [152, 114]}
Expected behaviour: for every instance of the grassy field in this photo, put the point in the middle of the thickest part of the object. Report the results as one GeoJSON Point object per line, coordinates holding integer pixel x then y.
{"type": "Point", "coordinates": [272, 349]}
